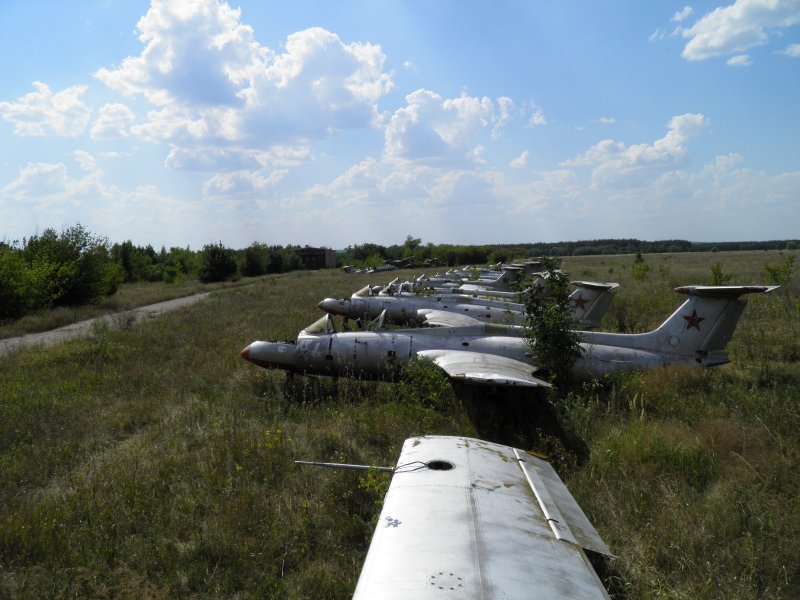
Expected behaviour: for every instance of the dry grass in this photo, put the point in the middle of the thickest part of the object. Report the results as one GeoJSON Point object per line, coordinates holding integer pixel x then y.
{"type": "Point", "coordinates": [155, 463]}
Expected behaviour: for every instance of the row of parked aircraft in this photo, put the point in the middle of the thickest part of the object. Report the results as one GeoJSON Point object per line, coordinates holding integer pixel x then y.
{"type": "Point", "coordinates": [466, 518]}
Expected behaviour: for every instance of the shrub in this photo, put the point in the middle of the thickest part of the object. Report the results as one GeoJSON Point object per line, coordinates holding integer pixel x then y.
{"type": "Point", "coordinates": [718, 277]}
{"type": "Point", "coordinates": [640, 268]}
{"type": "Point", "coordinates": [548, 324]}
{"type": "Point", "coordinates": [781, 273]}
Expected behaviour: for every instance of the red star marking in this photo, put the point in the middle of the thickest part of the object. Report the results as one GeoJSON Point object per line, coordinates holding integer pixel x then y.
{"type": "Point", "coordinates": [580, 301]}
{"type": "Point", "coordinates": [693, 320]}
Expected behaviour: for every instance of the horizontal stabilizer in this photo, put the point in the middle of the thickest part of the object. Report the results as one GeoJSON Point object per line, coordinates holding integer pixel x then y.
{"type": "Point", "coordinates": [593, 285]}
{"type": "Point", "coordinates": [725, 291]}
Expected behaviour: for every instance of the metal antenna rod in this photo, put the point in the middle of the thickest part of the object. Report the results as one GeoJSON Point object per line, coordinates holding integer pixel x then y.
{"type": "Point", "coordinates": [343, 466]}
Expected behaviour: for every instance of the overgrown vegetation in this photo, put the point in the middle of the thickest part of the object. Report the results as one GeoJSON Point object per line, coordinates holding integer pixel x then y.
{"type": "Point", "coordinates": [548, 323]}
{"type": "Point", "coordinates": [53, 269]}
{"type": "Point", "coordinates": [154, 462]}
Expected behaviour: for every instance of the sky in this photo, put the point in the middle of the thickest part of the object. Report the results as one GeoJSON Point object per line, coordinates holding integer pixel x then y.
{"type": "Point", "coordinates": [189, 122]}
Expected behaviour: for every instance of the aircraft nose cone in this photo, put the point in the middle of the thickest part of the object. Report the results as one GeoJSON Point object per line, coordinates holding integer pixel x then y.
{"type": "Point", "coordinates": [332, 306]}
{"type": "Point", "coordinates": [245, 353]}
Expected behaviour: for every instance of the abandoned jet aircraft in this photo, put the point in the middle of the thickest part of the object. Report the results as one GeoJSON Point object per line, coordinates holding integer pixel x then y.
{"type": "Point", "coordinates": [695, 334]}
{"type": "Point", "coordinates": [589, 302]}
{"type": "Point", "coordinates": [465, 518]}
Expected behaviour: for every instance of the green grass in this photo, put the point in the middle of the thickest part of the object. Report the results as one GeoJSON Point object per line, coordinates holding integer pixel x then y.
{"type": "Point", "coordinates": [153, 462]}
{"type": "Point", "coordinates": [128, 296]}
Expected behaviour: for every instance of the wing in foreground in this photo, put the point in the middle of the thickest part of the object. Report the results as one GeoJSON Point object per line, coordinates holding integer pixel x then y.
{"type": "Point", "coordinates": [488, 369]}
{"type": "Point", "coordinates": [464, 518]}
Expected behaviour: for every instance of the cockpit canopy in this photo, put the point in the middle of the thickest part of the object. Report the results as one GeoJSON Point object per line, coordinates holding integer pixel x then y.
{"type": "Point", "coordinates": [324, 324]}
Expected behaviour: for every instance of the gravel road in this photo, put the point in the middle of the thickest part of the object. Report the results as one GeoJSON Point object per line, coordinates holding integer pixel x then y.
{"type": "Point", "coordinates": [83, 328]}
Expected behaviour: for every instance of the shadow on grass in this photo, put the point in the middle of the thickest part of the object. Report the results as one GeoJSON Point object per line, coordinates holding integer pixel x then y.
{"type": "Point", "coordinates": [523, 418]}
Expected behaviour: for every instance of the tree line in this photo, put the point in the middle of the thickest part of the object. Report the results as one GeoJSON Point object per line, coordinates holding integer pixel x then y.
{"type": "Point", "coordinates": [76, 266]}
{"type": "Point", "coordinates": [370, 255]}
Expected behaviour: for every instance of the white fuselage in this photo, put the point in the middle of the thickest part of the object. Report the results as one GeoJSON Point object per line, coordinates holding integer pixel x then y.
{"type": "Point", "coordinates": [382, 354]}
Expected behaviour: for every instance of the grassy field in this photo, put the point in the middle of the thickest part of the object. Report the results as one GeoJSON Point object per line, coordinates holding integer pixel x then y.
{"type": "Point", "coordinates": [128, 296]}
{"type": "Point", "coordinates": [154, 463]}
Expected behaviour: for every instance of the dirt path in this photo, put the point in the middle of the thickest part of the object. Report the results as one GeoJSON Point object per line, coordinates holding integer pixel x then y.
{"type": "Point", "coordinates": [83, 328]}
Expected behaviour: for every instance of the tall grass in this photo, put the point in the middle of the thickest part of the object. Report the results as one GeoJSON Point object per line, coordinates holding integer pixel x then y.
{"type": "Point", "coordinates": [154, 462]}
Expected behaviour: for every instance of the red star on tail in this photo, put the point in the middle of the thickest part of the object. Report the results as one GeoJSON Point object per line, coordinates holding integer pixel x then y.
{"type": "Point", "coordinates": [693, 320]}
{"type": "Point", "coordinates": [580, 301]}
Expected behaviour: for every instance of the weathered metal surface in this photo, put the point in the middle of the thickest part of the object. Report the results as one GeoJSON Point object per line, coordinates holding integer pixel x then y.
{"type": "Point", "coordinates": [476, 530]}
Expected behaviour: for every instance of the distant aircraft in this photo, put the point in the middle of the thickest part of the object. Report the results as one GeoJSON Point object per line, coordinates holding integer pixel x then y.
{"type": "Point", "coordinates": [501, 277]}
{"type": "Point", "coordinates": [695, 334]}
{"type": "Point", "coordinates": [590, 302]}
{"type": "Point", "coordinates": [465, 518]}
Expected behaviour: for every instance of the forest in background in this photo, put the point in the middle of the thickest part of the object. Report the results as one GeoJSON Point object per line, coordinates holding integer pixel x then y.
{"type": "Point", "coordinates": [76, 267]}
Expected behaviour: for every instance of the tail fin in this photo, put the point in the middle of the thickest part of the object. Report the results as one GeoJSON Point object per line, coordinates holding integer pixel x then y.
{"type": "Point", "coordinates": [704, 323]}
{"type": "Point", "coordinates": [509, 276]}
{"type": "Point", "coordinates": [590, 302]}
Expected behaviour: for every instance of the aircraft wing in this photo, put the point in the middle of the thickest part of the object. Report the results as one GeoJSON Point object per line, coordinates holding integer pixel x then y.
{"type": "Point", "coordinates": [469, 519]}
{"type": "Point", "coordinates": [480, 368]}
{"type": "Point", "coordinates": [443, 318]}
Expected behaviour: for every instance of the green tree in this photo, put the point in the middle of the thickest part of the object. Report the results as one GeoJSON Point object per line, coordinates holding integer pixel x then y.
{"type": "Point", "coordinates": [410, 246]}
{"type": "Point", "coordinates": [255, 260]}
{"type": "Point", "coordinates": [70, 268]}
{"type": "Point", "coordinates": [548, 324]}
{"type": "Point", "coordinates": [13, 301]}
{"type": "Point", "coordinates": [218, 263]}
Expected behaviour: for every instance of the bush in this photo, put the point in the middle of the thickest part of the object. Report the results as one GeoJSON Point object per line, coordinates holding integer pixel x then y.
{"type": "Point", "coordinates": [718, 276]}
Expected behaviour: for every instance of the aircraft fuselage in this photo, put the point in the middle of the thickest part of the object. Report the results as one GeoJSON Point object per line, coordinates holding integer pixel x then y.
{"type": "Point", "coordinates": [381, 355]}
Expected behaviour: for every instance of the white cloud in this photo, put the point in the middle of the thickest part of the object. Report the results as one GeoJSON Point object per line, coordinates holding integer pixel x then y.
{"type": "Point", "coordinates": [682, 14]}
{"type": "Point", "coordinates": [85, 160]}
{"type": "Point", "coordinates": [520, 162]}
{"type": "Point", "coordinates": [505, 107]}
{"type": "Point", "coordinates": [196, 53]}
{"type": "Point", "coordinates": [430, 128]}
{"type": "Point", "coordinates": [47, 195]}
{"type": "Point", "coordinates": [792, 51]}
{"type": "Point", "coordinates": [614, 163]}
{"type": "Point", "coordinates": [738, 27]}
{"type": "Point", "coordinates": [740, 60]}
{"type": "Point", "coordinates": [607, 120]}
{"type": "Point", "coordinates": [551, 190]}
{"type": "Point", "coordinates": [537, 118]}
{"type": "Point", "coordinates": [42, 111]}
{"type": "Point", "coordinates": [410, 67]}
{"type": "Point", "coordinates": [38, 182]}
{"type": "Point", "coordinates": [656, 35]}
{"type": "Point", "coordinates": [114, 122]}
{"type": "Point", "coordinates": [242, 183]}
{"type": "Point", "coordinates": [213, 85]}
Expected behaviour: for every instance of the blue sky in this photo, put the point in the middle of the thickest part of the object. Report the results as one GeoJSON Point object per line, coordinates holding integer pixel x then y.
{"type": "Point", "coordinates": [333, 123]}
